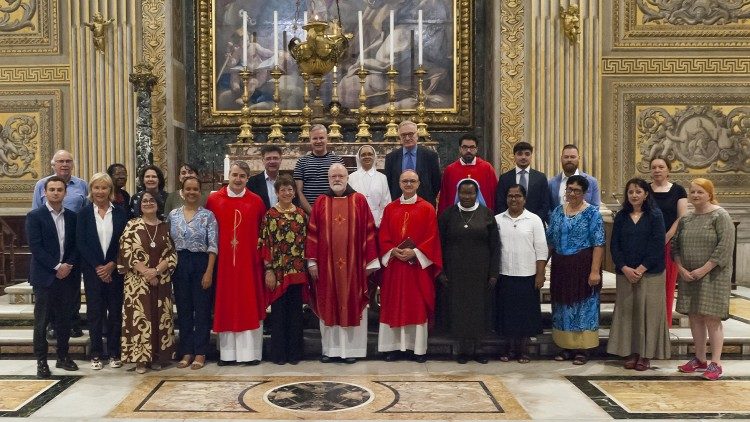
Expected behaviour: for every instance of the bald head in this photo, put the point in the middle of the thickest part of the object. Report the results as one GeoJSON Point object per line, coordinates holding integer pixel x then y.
{"type": "Point", "coordinates": [62, 164]}
{"type": "Point", "coordinates": [338, 177]}
{"type": "Point", "coordinates": [409, 183]}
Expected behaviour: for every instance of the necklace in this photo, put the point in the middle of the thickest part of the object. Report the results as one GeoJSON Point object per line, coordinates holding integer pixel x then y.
{"type": "Point", "coordinates": [152, 238]}
{"type": "Point", "coordinates": [466, 222]}
{"type": "Point", "coordinates": [290, 209]}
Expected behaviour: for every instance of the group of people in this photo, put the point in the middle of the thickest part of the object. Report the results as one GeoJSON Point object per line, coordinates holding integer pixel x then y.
{"type": "Point", "coordinates": [463, 252]}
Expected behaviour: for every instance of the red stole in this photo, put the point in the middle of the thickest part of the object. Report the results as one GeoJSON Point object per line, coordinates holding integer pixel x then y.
{"type": "Point", "coordinates": [240, 292]}
{"type": "Point", "coordinates": [407, 293]}
{"type": "Point", "coordinates": [482, 172]}
{"type": "Point", "coordinates": [341, 239]}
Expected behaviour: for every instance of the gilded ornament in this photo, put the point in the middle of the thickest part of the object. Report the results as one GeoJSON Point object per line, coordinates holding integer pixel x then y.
{"type": "Point", "coordinates": [571, 21]}
{"type": "Point", "coordinates": [694, 12]}
{"type": "Point", "coordinates": [98, 29]}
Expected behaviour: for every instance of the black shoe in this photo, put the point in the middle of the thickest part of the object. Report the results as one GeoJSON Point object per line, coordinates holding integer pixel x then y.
{"type": "Point", "coordinates": [325, 359]}
{"type": "Point", "coordinates": [350, 360]}
{"type": "Point", "coordinates": [67, 364]}
{"type": "Point", "coordinates": [293, 362]}
{"type": "Point", "coordinates": [462, 359]}
{"type": "Point", "coordinates": [391, 356]}
{"type": "Point", "coordinates": [481, 359]}
{"type": "Point", "coordinates": [251, 363]}
{"type": "Point", "coordinates": [225, 362]}
{"type": "Point", "coordinates": [280, 362]}
{"type": "Point", "coordinates": [76, 332]}
{"type": "Point", "coordinates": [50, 333]}
{"type": "Point", "coordinates": [420, 358]}
{"type": "Point", "coordinates": [42, 369]}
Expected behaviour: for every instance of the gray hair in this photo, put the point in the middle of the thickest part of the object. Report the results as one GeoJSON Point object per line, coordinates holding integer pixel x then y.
{"type": "Point", "coordinates": [242, 165]}
{"type": "Point", "coordinates": [317, 127]}
{"type": "Point", "coordinates": [337, 166]}
{"type": "Point", "coordinates": [405, 123]}
{"type": "Point", "coordinates": [101, 177]}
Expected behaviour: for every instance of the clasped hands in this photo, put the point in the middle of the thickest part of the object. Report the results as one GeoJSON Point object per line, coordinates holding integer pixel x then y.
{"type": "Point", "coordinates": [404, 254]}
{"type": "Point", "coordinates": [104, 272]}
{"type": "Point", "coordinates": [63, 270]}
{"type": "Point", "coordinates": [633, 275]}
{"type": "Point", "coordinates": [693, 275]}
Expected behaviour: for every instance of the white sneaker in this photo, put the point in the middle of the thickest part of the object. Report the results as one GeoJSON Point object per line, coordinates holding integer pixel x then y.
{"type": "Point", "coordinates": [96, 364]}
{"type": "Point", "coordinates": [115, 363]}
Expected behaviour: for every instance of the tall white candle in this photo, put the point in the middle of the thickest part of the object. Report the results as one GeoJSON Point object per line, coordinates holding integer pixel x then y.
{"type": "Point", "coordinates": [420, 38]}
{"type": "Point", "coordinates": [244, 38]}
{"type": "Point", "coordinates": [361, 41]}
{"type": "Point", "coordinates": [275, 38]}
{"type": "Point", "coordinates": [392, 36]}
{"type": "Point", "coordinates": [304, 18]}
{"type": "Point", "coordinates": [226, 167]}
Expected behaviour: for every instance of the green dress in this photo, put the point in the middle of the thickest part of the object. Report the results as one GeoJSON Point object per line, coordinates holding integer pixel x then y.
{"type": "Point", "coordinates": [700, 238]}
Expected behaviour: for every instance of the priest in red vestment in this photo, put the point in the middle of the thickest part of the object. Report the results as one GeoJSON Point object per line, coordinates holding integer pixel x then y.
{"type": "Point", "coordinates": [239, 308]}
{"type": "Point", "coordinates": [409, 237]}
{"type": "Point", "coordinates": [341, 251]}
{"type": "Point", "coordinates": [468, 166]}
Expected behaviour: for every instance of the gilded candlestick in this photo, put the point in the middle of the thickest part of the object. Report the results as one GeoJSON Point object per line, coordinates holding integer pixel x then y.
{"type": "Point", "coordinates": [391, 129]}
{"type": "Point", "coordinates": [246, 130]}
{"type": "Point", "coordinates": [304, 135]}
{"type": "Point", "coordinates": [334, 129]}
{"type": "Point", "coordinates": [364, 128]}
{"type": "Point", "coordinates": [421, 109]}
{"type": "Point", "coordinates": [276, 134]}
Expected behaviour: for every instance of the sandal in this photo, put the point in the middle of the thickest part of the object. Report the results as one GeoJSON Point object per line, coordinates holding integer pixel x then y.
{"type": "Point", "coordinates": [580, 359]}
{"type": "Point", "coordinates": [631, 361]}
{"type": "Point", "coordinates": [523, 358]}
{"type": "Point", "coordinates": [563, 356]}
{"type": "Point", "coordinates": [643, 364]}
{"type": "Point", "coordinates": [198, 364]}
{"type": "Point", "coordinates": [185, 362]}
{"type": "Point", "coordinates": [96, 364]}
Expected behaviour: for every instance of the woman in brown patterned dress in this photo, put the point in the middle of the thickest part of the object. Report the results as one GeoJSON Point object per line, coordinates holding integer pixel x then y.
{"type": "Point", "coordinates": [147, 258]}
{"type": "Point", "coordinates": [282, 244]}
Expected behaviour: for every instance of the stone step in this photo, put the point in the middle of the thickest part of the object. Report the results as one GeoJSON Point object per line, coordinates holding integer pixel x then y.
{"type": "Point", "coordinates": [23, 293]}
{"type": "Point", "coordinates": [20, 341]}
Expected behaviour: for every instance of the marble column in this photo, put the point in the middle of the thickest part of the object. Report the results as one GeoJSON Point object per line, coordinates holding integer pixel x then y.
{"type": "Point", "coordinates": [143, 81]}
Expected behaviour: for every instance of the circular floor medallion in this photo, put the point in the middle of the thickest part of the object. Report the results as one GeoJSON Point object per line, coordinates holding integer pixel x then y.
{"type": "Point", "coordinates": [318, 396]}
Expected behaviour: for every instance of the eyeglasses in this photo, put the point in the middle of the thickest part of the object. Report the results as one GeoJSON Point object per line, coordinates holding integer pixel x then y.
{"type": "Point", "coordinates": [571, 191]}
{"type": "Point", "coordinates": [469, 147]}
{"type": "Point", "coordinates": [409, 181]}
{"type": "Point", "coordinates": [64, 161]}
{"type": "Point", "coordinates": [148, 201]}
{"type": "Point", "coordinates": [407, 134]}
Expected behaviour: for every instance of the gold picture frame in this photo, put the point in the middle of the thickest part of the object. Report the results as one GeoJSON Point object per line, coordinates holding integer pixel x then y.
{"type": "Point", "coordinates": [448, 26]}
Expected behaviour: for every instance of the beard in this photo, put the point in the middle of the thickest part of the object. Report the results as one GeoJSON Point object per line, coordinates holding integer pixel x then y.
{"type": "Point", "coordinates": [338, 189]}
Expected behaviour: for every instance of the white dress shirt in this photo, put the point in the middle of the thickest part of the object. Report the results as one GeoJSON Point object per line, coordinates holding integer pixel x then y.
{"type": "Point", "coordinates": [59, 221]}
{"type": "Point", "coordinates": [272, 197]}
{"type": "Point", "coordinates": [104, 227]}
{"type": "Point", "coordinates": [522, 241]}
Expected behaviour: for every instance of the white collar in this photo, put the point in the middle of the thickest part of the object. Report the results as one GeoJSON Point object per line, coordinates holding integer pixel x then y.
{"type": "Point", "coordinates": [109, 208]}
{"type": "Point", "coordinates": [472, 163]}
{"type": "Point", "coordinates": [519, 169]}
{"type": "Point", "coordinates": [52, 210]}
{"type": "Point", "coordinates": [267, 177]}
{"type": "Point", "coordinates": [370, 172]}
{"type": "Point", "coordinates": [412, 200]}
{"type": "Point", "coordinates": [231, 193]}
{"type": "Point", "coordinates": [563, 176]}
{"type": "Point", "coordinates": [472, 208]}
{"type": "Point", "coordinates": [523, 215]}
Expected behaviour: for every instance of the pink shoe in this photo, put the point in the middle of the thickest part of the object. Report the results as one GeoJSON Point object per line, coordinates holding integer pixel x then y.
{"type": "Point", "coordinates": [693, 365]}
{"type": "Point", "coordinates": [713, 372]}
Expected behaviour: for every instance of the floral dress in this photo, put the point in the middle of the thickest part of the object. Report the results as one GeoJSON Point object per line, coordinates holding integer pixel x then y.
{"type": "Point", "coordinates": [282, 243]}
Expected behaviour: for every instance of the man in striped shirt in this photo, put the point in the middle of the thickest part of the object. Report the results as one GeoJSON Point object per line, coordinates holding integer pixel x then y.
{"type": "Point", "coordinates": [311, 171]}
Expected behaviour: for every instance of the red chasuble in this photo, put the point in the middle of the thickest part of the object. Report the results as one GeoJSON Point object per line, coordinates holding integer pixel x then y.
{"type": "Point", "coordinates": [407, 294]}
{"type": "Point", "coordinates": [341, 240]}
{"type": "Point", "coordinates": [482, 172]}
{"type": "Point", "coordinates": [240, 300]}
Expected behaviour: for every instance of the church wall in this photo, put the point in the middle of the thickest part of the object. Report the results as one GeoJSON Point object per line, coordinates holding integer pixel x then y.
{"type": "Point", "coordinates": [640, 72]}
{"type": "Point", "coordinates": [57, 91]}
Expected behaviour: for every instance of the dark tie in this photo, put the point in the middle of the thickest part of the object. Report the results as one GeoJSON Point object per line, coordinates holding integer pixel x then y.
{"type": "Point", "coordinates": [523, 181]}
{"type": "Point", "coordinates": [409, 160]}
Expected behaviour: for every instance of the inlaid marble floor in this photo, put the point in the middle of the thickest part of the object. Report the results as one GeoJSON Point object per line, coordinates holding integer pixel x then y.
{"type": "Point", "coordinates": [375, 390]}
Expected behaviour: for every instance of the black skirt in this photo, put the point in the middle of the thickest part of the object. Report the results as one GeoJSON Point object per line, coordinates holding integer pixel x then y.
{"type": "Point", "coordinates": [519, 313]}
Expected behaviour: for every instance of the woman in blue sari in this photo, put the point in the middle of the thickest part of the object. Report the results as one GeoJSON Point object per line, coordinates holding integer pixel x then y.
{"type": "Point", "coordinates": [576, 241]}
